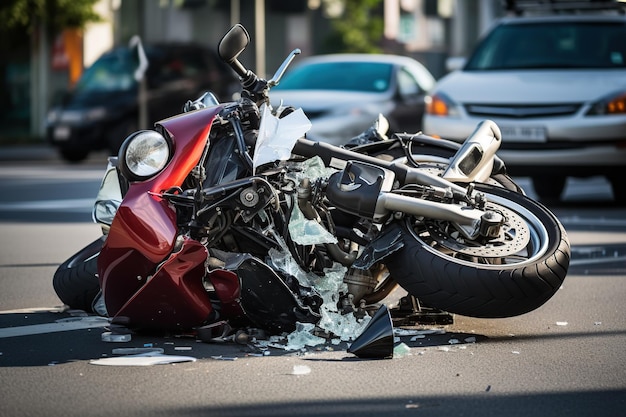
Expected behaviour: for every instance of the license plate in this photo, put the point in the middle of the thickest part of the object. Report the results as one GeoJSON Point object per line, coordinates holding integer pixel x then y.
{"type": "Point", "coordinates": [523, 133]}
{"type": "Point", "coordinates": [61, 133]}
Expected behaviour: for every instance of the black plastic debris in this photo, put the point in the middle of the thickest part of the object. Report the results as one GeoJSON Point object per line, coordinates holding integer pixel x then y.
{"type": "Point", "coordinates": [376, 340]}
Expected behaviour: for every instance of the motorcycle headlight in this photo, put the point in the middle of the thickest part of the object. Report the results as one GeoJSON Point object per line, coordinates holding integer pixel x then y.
{"type": "Point", "coordinates": [143, 155]}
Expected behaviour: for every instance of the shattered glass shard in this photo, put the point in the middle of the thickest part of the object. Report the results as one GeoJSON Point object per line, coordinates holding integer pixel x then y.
{"type": "Point", "coordinates": [307, 232]}
{"type": "Point", "coordinates": [303, 336]}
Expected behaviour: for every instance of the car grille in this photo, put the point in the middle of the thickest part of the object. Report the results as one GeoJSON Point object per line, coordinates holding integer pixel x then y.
{"type": "Point", "coordinates": [515, 111]}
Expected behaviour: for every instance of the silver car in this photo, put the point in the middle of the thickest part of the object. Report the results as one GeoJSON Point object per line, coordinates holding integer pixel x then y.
{"type": "Point", "coordinates": [556, 86]}
{"type": "Point", "coordinates": [343, 94]}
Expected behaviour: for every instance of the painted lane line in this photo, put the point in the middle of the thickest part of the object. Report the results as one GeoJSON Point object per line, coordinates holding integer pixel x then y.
{"type": "Point", "coordinates": [69, 204]}
{"type": "Point", "coordinates": [595, 261]}
{"type": "Point", "coordinates": [588, 221]}
{"type": "Point", "coordinates": [59, 326]}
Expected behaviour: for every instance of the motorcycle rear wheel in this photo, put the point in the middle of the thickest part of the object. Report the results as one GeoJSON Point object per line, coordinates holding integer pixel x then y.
{"type": "Point", "coordinates": [76, 280]}
{"type": "Point", "coordinates": [486, 282]}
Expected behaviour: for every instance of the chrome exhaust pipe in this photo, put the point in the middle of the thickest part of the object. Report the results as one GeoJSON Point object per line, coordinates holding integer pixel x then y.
{"type": "Point", "coordinates": [474, 160]}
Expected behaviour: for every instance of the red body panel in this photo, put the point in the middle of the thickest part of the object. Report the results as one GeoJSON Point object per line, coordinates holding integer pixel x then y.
{"type": "Point", "coordinates": [174, 298]}
{"type": "Point", "coordinates": [144, 230]}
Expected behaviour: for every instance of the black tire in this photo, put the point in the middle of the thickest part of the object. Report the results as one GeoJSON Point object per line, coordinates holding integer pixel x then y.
{"type": "Point", "coordinates": [467, 283]}
{"type": "Point", "coordinates": [549, 188]}
{"type": "Point", "coordinates": [76, 280]}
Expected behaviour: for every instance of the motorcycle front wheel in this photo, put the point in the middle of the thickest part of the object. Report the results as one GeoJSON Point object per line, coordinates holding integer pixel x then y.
{"type": "Point", "coordinates": [504, 278]}
{"type": "Point", "coordinates": [76, 280]}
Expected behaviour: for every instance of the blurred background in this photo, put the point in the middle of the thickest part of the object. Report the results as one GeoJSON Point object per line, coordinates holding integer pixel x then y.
{"type": "Point", "coordinates": [45, 45]}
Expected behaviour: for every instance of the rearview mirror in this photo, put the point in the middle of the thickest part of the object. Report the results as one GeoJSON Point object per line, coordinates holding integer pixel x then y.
{"type": "Point", "coordinates": [233, 43]}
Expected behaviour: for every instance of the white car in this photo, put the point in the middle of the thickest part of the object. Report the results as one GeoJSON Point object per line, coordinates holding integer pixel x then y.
{"type": "Point", "coordinates": [343, 94]}
{"type": "Point", "coordinates": [556, 87]}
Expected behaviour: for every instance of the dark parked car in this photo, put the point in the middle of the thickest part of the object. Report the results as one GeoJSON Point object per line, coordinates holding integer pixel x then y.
{"type": "Point", "coordinates": [102, 109]}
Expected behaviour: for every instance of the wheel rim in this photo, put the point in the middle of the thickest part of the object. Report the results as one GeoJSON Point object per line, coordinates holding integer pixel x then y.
{"type": "Point", "coordinates": [524, 240]}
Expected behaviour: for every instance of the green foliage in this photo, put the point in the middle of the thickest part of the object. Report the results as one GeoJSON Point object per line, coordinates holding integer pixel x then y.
{"type": "Point", "coordinates": [20, 17]}
{"type": "Point", "coordinates": [359, 29]}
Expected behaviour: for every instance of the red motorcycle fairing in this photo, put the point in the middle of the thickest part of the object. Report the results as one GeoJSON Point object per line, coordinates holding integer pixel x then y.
{"type": "Point", "coordinates": [144, 230]}
{"type": "Point", "coordinates": [174, 297]}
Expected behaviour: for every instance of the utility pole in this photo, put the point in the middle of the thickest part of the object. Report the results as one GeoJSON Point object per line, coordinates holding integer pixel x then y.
{"type": "Point", "coordinates": [259, 26]}
{"type": "Point", "coordinates": [39, 79]}
{"type": "Point", "coordinates": [235, 12]}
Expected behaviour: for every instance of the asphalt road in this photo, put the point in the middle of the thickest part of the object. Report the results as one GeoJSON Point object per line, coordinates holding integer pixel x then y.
{"type": "Point", "coordinates": [568, 358]}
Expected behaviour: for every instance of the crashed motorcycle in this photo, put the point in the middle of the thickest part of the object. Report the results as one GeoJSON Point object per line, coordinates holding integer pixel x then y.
{"type": "Point", "coordinates": [226, 213]}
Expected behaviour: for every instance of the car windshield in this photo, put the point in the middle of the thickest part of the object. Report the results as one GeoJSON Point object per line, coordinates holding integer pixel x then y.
{"type": "Point", "coordinates": [343, 76]}
{"type": "Point", "coordinates": [555, 45]}
{"type": "Point", "coordinates": [111, 72]}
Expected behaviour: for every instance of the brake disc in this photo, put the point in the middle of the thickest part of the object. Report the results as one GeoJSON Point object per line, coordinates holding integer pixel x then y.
{"type": "Point", "coordinates": [513, 238]}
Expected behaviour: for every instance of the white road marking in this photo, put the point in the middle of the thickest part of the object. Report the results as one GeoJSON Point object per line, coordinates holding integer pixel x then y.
{"type": "Point", "coordinates": [76, 204]}
{"type": "Point", "coordinates": [52, 173]}
{"type": "Point", "coordinates": [596, 261]}
{"type": "Point", "coordinates": [63, 325]}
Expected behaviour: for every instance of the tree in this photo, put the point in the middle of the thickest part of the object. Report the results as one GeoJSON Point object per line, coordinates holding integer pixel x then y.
{"type": "Point", "coordinates": [358, 29]}
{"type": "Point", "coordinates": [21, 17]}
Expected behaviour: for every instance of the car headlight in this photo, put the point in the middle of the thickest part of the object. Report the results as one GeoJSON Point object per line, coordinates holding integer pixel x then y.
{"type": "Point", "coordinates": [52, 116]}
{"type": "Point", "coordinates": [612, 104]}
{"type": "Point", "coordinates": [143, 154]}
{"type": "Point", "coordinates": [440, 105]}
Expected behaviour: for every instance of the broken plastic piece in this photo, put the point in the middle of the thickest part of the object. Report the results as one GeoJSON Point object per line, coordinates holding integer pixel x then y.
{"type": "Point", "coordinates": [224, 358]}
{"type": "Point", "coordinates": [300, 370]}
{"type": "Point", "coordinates": [136, 351]}
{"type": "Point", "coordinates": [277, 137]}
{"type": "Point", "coordinates": [116, 337]}
{"type": "Point", "coordinates": [142, 360]}
{"type": "Point", "coordinates": [376, 341]}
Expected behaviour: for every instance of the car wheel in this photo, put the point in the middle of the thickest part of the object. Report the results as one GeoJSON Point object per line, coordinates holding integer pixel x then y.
{"type": "Point", "coordinates": [73, 155]}
{"type": "Point", "coordinates": [549, 188]}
